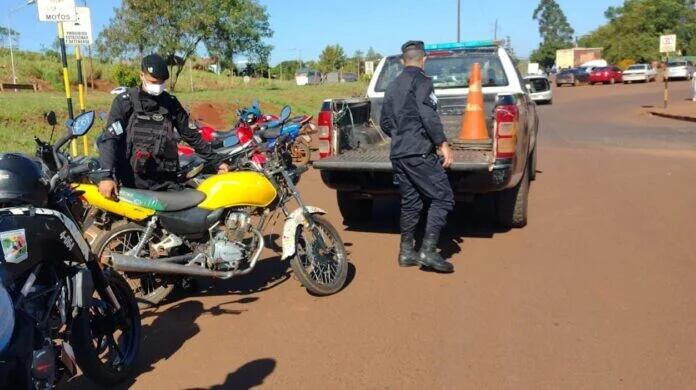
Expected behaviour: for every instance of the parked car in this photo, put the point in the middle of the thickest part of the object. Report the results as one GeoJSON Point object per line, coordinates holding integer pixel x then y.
{"type": "Point", "coordinates": [307, 77]}
{"type": "Point", "coordinates": [680, 70]}
{"type": "Point", "coordinates": [639, 72]}
{"type": "Point", "coordinates": [572, 76]}
{"type": "Point", "coordinates": [607, 74]}
{"type": "Point", "coordinates": [119, 90]}
{"type": "Point", "coordinates": [355, 153]}
{"type": "Point", "coordinates": [539, 88]}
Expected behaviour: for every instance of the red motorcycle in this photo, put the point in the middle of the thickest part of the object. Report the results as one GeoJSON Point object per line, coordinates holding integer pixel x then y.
{"type": "Point", "coordinates": [251, 120]}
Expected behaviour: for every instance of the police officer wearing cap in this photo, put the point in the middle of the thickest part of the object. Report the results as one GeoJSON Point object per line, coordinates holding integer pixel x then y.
{"type": "Point", "coordinates": [409, 116]}
{"type": "Point", "coordinates": [138, 146]}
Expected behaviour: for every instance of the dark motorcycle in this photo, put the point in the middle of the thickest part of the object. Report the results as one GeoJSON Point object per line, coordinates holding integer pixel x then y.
{"type": "Point", "coordinates": [68, 311]}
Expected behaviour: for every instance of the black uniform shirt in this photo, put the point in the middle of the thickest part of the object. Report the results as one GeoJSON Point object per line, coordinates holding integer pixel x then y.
{"type": "Point", "coordinates": [409, 114]}
{"type": "Point", "coordinates": [112, 143]}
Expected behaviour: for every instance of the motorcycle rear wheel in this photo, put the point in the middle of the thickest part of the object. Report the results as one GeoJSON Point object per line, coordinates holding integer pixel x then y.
{"type": "Point", "coordinates": [149, 289]}
{"type": "Point", "coordinates": [320, 265]}
{"type": "Point", "coordinates": [301, 152]}
{"type": "Point", "coordinates": [107, 345]}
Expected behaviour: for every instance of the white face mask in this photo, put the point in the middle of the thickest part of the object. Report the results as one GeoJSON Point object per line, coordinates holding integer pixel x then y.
{"type": "Point", "coordinates": [153, 89]}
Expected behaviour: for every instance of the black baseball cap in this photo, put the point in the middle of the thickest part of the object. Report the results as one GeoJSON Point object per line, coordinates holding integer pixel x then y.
{"type": "Point", "coordinates": [155, 66]}
{"type": "Point", "coordinates": [412, 45]}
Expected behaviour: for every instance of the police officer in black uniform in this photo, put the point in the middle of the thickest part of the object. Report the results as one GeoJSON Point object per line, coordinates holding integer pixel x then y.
{"type": "Point", "coordinates": [138, 146]}
{"type": "Point", "coordinates": [409, 116]}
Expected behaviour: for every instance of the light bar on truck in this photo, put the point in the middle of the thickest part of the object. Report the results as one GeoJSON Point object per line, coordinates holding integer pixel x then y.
{"type": "Point", "coordinates": [460, 45]}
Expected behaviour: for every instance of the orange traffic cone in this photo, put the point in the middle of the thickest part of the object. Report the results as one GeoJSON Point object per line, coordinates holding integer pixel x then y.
{"type": "Point", "coordinates": [474, 122]}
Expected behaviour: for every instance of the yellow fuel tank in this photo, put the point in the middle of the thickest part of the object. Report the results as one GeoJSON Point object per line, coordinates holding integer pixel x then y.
{"type": "Point", "coordinates": [93, 197]}
{"type": "Point", "coordinates": [237, 189]}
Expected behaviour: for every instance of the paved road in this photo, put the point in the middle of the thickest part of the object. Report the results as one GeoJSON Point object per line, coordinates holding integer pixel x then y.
{"type": "Point", "coordinates": [599, 291]}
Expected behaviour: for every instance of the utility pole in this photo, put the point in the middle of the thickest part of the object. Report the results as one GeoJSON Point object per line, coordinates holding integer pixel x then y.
{"type": "Point", "coordinates": [10, 36]}
{"type": "Point", "coordinates": [495, 30]}
{"type": "Point", "coordinates": [459, 23]}
{"type": "Point", "coordinates": [91, 64]}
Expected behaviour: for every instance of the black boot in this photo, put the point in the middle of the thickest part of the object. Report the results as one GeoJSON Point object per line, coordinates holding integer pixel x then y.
{"type": "Point", "coordinates": [408, 257]}
{"type": "Point", "coordinates": [428, 256]}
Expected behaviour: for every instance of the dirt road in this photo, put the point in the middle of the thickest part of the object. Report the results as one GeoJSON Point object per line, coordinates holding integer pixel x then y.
{"type": "Point", "coordinates": [598, 291]}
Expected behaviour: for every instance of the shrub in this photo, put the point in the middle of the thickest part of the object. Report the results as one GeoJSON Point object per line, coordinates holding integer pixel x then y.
{"type": "Point", "coordinates": [125, 75]}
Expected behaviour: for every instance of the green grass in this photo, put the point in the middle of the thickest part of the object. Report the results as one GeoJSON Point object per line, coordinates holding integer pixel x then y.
{"type": "Point", "coordinates": [21, 113]}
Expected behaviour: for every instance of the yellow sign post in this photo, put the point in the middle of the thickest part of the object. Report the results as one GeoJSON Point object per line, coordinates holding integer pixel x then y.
{"type": "Point", "coordinates": [66, 80]}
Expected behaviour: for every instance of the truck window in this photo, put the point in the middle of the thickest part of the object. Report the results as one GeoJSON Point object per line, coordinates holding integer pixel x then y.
{"type": "Point", "coordinates": [450, 71]}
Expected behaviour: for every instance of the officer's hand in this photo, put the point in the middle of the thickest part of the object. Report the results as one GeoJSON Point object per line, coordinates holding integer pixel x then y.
{"type": "Point", "coordinates": [107, 189]}
{"type": "Point", "coordinates": [224, 168]}
{"type": "Point", "coordinates": [447, 154]}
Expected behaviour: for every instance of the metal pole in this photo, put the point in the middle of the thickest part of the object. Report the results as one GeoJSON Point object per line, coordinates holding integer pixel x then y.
{"type": "Point", "coordinates": [66, 80]}
{"type": "Point", "coordinates": [664, 76]}
{"type": "Point", "coordinates": [459, 22]}
{"type": "Point", "coordinates": [495, 31]}
{"type": "Point", "coordinates": [9, 35]}
{"type": "Point", "coordinates": [81, 93]}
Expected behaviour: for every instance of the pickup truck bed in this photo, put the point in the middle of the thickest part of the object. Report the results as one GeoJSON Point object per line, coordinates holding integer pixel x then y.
{"type": "Point", "coordinates": [376, 158]}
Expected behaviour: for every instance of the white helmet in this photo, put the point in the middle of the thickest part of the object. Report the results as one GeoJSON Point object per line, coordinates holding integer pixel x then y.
{"type": "Point", "coordinates": [6, 318]}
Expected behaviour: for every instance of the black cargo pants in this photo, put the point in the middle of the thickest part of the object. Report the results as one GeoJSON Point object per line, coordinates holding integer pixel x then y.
{"type": "Point", "coordinates": [422, 178]}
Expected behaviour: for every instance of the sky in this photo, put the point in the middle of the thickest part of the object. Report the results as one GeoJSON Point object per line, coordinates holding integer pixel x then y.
{"type": "Point", "coordinates": [304, 28]}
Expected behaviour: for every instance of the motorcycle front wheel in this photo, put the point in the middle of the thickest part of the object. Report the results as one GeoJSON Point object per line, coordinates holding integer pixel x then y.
{"type": "Point", "coordinates": [320, 261]}
{"type": "Point", "coordinates": [107, 342]}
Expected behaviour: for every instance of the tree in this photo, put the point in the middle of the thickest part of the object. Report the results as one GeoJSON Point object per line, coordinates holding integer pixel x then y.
{"type": "Point", "coordinates": [372, 55]}
{"type": "Point", "coordinates": [286, 69]}
{"type": "Point", "coordinates": [332, 58]}
{"type": "Point", "coordinates": [554, 29]}
{"type": "Point", "coordinates": [633, 29]}
{"type": "Point", "coordinates": [7, 34]}
{"type": "Point", "coordinates": [176, 30]}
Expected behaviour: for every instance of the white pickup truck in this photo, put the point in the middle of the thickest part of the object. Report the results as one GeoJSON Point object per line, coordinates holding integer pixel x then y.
{"type": "Point", "coordinates": [355, 152]}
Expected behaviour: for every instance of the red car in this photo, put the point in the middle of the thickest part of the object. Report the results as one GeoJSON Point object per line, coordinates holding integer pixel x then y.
{"type": "Point", "coordinates": [606, 74]}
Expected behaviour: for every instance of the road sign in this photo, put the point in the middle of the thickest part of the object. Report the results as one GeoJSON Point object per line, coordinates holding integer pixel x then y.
{"type": "Point", "coordinates": [79, 32]}
{"type": "Point", "coordinates": [668, 43]}
{"type": "Point", "coordinates": [56, 10]}
{"type": "Point", "coordinates": [369, 67]}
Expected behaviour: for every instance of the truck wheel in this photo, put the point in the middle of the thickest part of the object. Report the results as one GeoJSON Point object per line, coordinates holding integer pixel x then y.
{"type": "Point", "coordinates": [511, 205]}
{"type": "Point", "coordinates": [353, 209]}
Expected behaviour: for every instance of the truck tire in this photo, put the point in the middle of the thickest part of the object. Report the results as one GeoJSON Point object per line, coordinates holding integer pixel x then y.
{"type": "Point", "coordinates": [511, 204]}
{"type": "Point", "coordinates": [353, 209]}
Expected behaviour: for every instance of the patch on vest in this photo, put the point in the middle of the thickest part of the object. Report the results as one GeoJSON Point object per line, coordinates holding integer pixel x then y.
{"type": "Point", "coordinates": [116, 128]}
{"type": "Point", "coordinates": [433, 98]}
{"type": "Point", "coordinates": [157, 117]}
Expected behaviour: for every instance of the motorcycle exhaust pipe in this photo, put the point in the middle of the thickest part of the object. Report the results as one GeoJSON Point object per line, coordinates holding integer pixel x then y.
{"type": "Point", "coordinates": [167, 266]}
{"type": "Point", "coordinates": [125, 263]}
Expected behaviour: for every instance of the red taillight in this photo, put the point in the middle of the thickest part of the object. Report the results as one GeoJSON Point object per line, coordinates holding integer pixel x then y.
{"type": "Point", "coordinates": [324, 133]}
{"type": "Point", "coordinates": [506, 119]}
{"type": "Point", "coordinates": [207, 133]}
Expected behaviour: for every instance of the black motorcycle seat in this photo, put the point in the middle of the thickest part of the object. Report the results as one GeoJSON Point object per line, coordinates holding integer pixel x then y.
{"type": "Point", "coordinates": [162, 200]}
{"type": "Point", "coordinates": [222, 134]}
{"type": "Point", "coordinates": [271, 133]}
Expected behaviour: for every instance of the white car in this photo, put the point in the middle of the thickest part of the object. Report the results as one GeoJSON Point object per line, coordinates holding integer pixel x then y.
{"type": "Point", "coordinates": [680, 70]}
{"type": "Point", "coordinates": [639, 72]}
{"type": "Point", "coordinates": [119, 90]}
{"type": "Point", "coordinates": [539, 88]}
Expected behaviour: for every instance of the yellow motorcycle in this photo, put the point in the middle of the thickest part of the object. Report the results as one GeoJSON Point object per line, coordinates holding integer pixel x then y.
{"type": "Point", "coordinates": [155, 237]}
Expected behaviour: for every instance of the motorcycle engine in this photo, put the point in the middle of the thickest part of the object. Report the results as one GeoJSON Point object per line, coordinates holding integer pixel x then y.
{"type": "Point", "coordinates": [228, 249]}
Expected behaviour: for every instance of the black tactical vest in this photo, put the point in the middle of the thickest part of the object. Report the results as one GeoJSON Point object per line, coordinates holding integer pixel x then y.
{"type": "Point", "coordinates": [151, 141]}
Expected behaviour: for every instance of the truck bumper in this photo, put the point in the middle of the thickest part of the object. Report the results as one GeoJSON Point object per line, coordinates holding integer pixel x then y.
{"type": "Point", "coordinates": [465, 182]}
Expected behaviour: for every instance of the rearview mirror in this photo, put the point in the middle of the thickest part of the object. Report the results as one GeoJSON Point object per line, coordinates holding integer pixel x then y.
{"type": "Point", "coordinates": [102, 116]}
{"type": "Point", "coordinates": [285, 113]}
{"type": "Point", "coordinates": [255, 103]}
{"type": "Point", "coordinates": [82, 123]}
{"type": "Point", "coordinates": [529, 88]}
{"type": "Point", "coordinates": [51, 118]}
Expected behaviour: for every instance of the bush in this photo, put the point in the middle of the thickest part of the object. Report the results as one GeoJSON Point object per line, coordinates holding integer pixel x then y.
{"type": "Point", "coordinates": [625, 63]}
{"type": "Point", "coordinates": [125, 75]}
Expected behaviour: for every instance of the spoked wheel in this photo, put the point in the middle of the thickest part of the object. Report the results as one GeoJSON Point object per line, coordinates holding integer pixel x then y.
{"type": "Point", "coordinates": [320, 261]}
{"type": "Point", "coordinates": [149, 289]}
{"type": "Point", "coordinates": [106, 340]}
{"type": "Point", "coordinates": [301, 153]}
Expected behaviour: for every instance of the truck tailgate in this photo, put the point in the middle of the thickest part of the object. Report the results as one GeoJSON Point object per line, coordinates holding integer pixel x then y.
{"type": "Point", "coordinates": [376, 158]}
